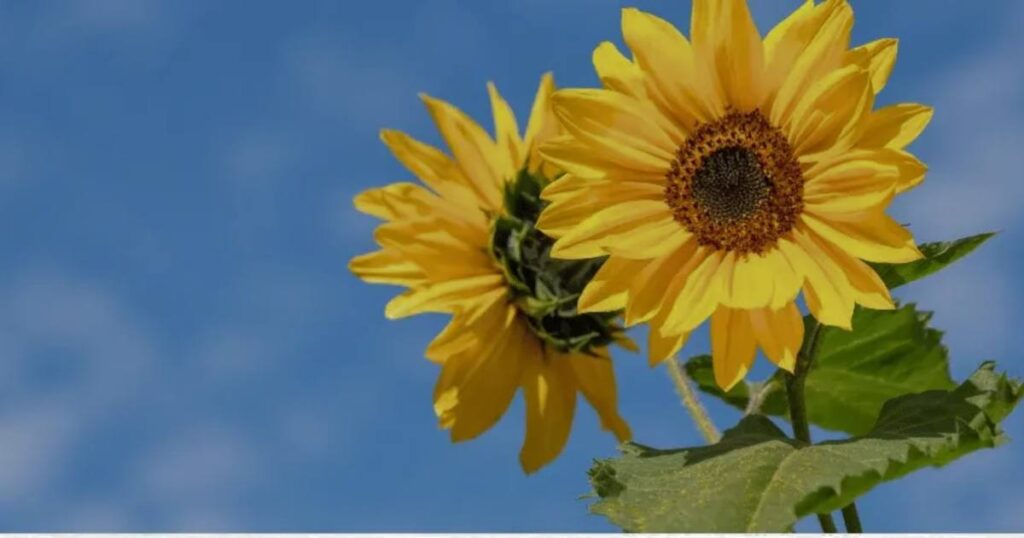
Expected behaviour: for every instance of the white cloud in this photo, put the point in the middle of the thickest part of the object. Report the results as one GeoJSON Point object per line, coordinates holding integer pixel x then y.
{"type": "Point", "coordinates": [98, 355]}
{"type": "Point", "coordinates": [362, 86]}
{"type": "Point", "coordinates": [974, 181]}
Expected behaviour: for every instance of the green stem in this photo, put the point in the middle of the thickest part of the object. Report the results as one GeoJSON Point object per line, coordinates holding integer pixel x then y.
{"type": "Point", "coordinates": [851, 519]}
{"type": "Point", "coordinates": [798, 407]}
{"type": "Point", "coordinates": [691, 402]}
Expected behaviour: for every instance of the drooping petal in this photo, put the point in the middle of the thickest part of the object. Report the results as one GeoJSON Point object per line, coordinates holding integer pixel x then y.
{"type": "Point", "coordinates": [476, 387]}
{"type": "Point", "coordinates": [732, 346]}
{"type": "Point", "coordinates": [549, 391]}
{"type": "Point", "coordinates": [596, 379]}
{"type": "Point", "coordinates": [779, 333]}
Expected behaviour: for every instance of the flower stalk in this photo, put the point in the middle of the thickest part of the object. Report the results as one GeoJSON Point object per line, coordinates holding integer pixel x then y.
{"type": "Point", "coordinates": [691, 402]}
{"type": "Point", "coordinates": [798, 407]}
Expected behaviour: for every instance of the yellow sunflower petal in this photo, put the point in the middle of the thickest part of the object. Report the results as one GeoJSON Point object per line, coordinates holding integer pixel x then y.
{"type": "Point", "coordinates": [869, 235]}
{"type": "Point", "coordinates": [442, 249]}
{"type": "Point", "coordinates": [828, 293]}
{"type": "Point", "coordinates": [587, 197]}
{"type": "Point", "coordinates": [811, 46]}
{"type": "Point", "coordinates": [751, 284]}
{"type": "Point", "coordinates": [409, 201]}
{"type": "Point", "coordinates": [666, 59]}
{"type": "Point", "coordinates": [648, 284]}
{"type": "Point", "coordinates": [664, 340]}
{"type": "Point", "coordinates": [607, 291]}
{"type": "Point", "coordinates": [661, 348]}
{"type": "Point", "coordinates": [699, 296]}
{"type": "Point", "coordinates": [732, 346]}
{"type": "Point", "coordinates": [431, 166]}
{"type": "Point", "coordinates": [879, 56]}
{"type": "Point", "coordinates": [618, 225]}
{"type": "Point", "coordinates": [832, 112]}
{"type": "Point", "coordinates": [896, 126]}
{"type": "Point", "coordinates": [616, 72]}
{"type": "Point", "coordinates": [658, 239]}
{"type": "Point", "coordinates": [442, 296]}
{"type": "Point", "coordinates": [834, 173]}
{"type": "Point", "coordinates": [596, 379]}
{"type": "Point", "coordinates": [549, 391]}
{"type": "Point", "coordinates": [856, 181]}
{"type": "Point", "coordinates": [476, 387]}
{"type": "Point", "coordinates": [868, 289]}
{"type": "Point", "coordinates": [386, 267]}
{"type": "Point", "coordinates": [579, 159]}
{"type": "Point", "coordinates": [474, 151]}
{"type": "Point", "coordinates": [542, 125]}
{"type": "Point", "coordinates": [727, 44]}
{"type": "Point", "coordinates": [785, 42]}
{"type": "Point", "coordinates": [506, 131]}
{"type": "Point", "coordinates": [779, 333]}
{"type": "Point", "coordinates": [618, 125]}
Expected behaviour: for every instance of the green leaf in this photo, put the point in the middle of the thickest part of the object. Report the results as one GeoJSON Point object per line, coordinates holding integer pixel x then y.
{"type": "Point", "coordinates": [937, 256]}
{"type": "Point", "coordinates": [853, 373]}
{"type": "Point", "coordinates": [756, 479]}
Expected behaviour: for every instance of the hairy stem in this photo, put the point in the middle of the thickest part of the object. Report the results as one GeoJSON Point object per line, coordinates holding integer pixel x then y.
{"type": "Point", "coordinates": [798, 407]}
{"type": "Point", "coordinates": [691, 402]}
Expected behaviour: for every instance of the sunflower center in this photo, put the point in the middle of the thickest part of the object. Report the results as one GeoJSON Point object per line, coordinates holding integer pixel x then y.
{"type": "Point", "coordinates": [545, 289]}
{"type": "Point", "coordinates": [730, 183]}
{"type": "Point", "coordinates": [735, 184]}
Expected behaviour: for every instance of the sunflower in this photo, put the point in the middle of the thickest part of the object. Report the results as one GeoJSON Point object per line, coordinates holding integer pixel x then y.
{"type": "Point", "coordinates": [725, 174]}
{"type": "Point", "coordinates": [464, 243]}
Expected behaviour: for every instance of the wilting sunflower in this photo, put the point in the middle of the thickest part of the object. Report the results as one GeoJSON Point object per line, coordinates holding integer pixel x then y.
{"type": "Point", "coordinates": [464, 243]}
{"type": "Point", "coordinates": [725, 174]}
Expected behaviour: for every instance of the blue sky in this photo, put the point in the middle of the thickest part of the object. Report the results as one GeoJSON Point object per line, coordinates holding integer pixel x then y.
{"type": "Point", "coordinates": [182, 347]}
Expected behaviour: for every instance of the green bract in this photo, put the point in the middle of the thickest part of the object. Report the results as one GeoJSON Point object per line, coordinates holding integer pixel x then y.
{"type": "Point", "coordinates": [543, 288]}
